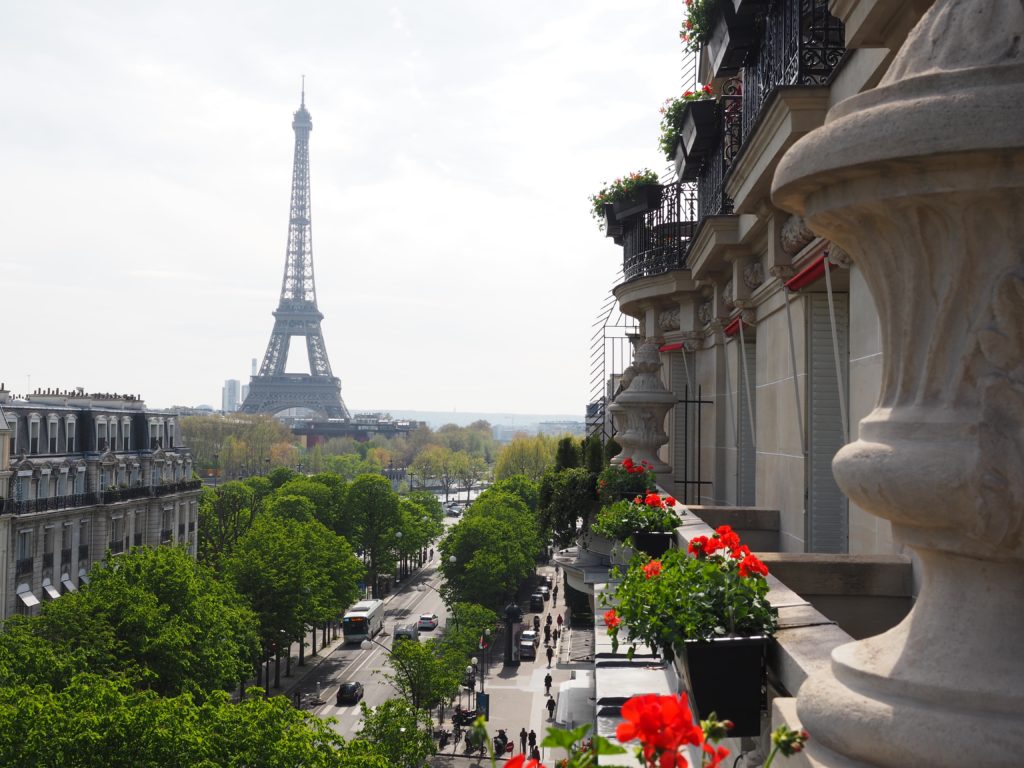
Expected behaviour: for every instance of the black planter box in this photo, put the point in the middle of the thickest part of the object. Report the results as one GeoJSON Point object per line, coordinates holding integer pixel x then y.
{"type": "Point", "coordinates": [726, 676]}
{"type": "Point", "coordinates": [645, 197]}
{"type": "Point", "coordinates": [654, 544]}
{"type": "Point", "coordinates": [699, 127]}
{"type": "Point", "coordinates": [732, 40]}
{"type": "Point", "coordinates": [612, 227]}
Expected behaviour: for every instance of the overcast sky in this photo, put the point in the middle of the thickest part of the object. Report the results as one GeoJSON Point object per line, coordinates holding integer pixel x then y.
{"type": "Point", "coordinates": [145, 170]}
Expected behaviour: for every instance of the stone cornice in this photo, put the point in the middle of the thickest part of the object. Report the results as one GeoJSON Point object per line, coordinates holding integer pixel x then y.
{"type": "Point", "coordinates": [791, 112]}
{"type": "Point", "coordinates": [717, 241]}
{"type": "Point", "coordinates": [878, 23]}
{"type": "Point", "coordinates": [658, 291]}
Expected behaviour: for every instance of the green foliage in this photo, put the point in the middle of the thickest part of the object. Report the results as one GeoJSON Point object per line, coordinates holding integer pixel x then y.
{"type": "Point", "coordinates": [593, 455]}
{"type": "Point", "coordinates": [462, 635]}
{"type": "Point", "coordinates": [280, 476]}
{"type": "Point", "coordinates": [692, 598]}
{"type": "Point", "coordinates": [372, 514]}
{"type": "Point", "coordinates": [398, 731]}
{"type": "Point", "coordinates": [528, 456]}
{"type": "Point", "coordinates": [522, 486]}
{"type": "Point", "coordinates": [624, 518]}
{"type": "Point", "coordinates": [567, 501]}
{"type": "Point", "coordinates": [567, 455]}
{"type": "Point", "coordinates": [423, 673]}
{"type": "Point", "coordinates": [349, 466]}
{"type": "Point", "coordinates": [153, 615]}
{"type": "Point", "coordinates": [293, 507]}
{"type": "Point", "coordinates": [102, 723]}
{"type": "Point", "coordinates": [611, 449]}
{"type": "Point", "coordinates": [699, 23]}
{"type": "Point", "coordinates": [622, 188]}
{"type": "Point", "coordinates": [225, 513]}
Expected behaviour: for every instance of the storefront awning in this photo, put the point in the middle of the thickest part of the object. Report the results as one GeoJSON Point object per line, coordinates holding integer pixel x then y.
{"type": "Point", "coordinates": [51, 590]}
{"type": "Point", "coordinates": [68, 584]}
{"type": "Point", "coordinates": [27, 597]}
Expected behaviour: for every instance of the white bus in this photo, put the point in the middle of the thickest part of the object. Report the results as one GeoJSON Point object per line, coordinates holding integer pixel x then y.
{"type": "Point", "coordinates": [363, 620]}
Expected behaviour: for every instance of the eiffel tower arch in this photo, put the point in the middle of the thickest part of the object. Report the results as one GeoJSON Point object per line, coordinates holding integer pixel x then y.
{"type": "Point", "coordinates": [273, 390]}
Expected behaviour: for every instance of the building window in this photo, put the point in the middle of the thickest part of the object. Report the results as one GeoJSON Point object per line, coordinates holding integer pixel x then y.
{"type": "Point", "coordinates": [126, 435]}
{"type": "Point", "coordinates": [170, 434]}
{"type": "Point", "coordinates": [65, 547]}
{"type": "Point", "coordinates": [70, 429]}
{"type": "Point", "coordinates": [48, 547]}
{"type": "Point", "coordinates": [117, 535]}
{"type": "Point", "coordinates": [101, 435]}
{"type": "Point", "coordinates": [33, 434]}
{"type": "Point", "coordinates": [51, 433]}
{"type": "Point", "coordinates": [23, 563]}
{"type": "Point", "coordinates": [83, 540]}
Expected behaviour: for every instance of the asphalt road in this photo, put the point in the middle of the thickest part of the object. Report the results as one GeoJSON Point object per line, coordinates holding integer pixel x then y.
{"type": "Point", "coordinates": [350, 662]}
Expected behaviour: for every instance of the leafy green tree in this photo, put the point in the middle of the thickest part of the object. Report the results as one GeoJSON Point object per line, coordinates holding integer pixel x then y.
{"type": "Point", "coordinates": [567, 455]}
{"type": "Point", "coordinates": [470, 471]}
{"type": "Point", "coordinates": [154, 615]}
{"type": "Point", "coordinates": [349, 466]}
{"type": "Point", "coordinates": [462, 635]}
{"type": "Point", "coordinates": [593, 455]}
{"type": "Point", "coordinates": [225, 514]}
{"type": "Point", "coordinates": [280, 476]}
{"type": "Point", "coordinates": [491, 560]}
{"type": "Point", "coordinates": [611, 450]}
{"type": "Point", "coordinates": [423, 674]}
{"type": "Point", "coordinates": [372, 511]}
{"type": "Point", "coordinates": [568, 500]}
{"type": "Point", "coordinates": [529, 456]}
{"type": "Point", "coordinates": [399, 731]}
{"type": "Point", "coordinates": [521, 486]}
{"type": "Point", "coordinates": [291, 506]}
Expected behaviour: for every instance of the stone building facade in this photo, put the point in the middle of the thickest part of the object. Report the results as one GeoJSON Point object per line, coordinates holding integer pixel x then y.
{"type": "Point", "coordinates": [83, 475]}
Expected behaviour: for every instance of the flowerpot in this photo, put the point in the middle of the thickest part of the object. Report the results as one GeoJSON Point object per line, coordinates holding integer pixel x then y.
{"type": "Point", "coordinates": [732, 39]}
{"type": "Point", "coordinates": [699, 127]}
{"type": "Point", "coordinates": [654, 544]}
{"type": "Point", "coordinates": [726, 676]}
{"type": "Point", "coordinates": [645, 197]}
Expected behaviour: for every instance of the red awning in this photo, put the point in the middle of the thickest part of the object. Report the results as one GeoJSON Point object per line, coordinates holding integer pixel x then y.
{"type": "Point", "coordinates": [809, 274]}
{"type": "Point", "coordinates": [671, 347]}
{"type": "Point", "coordinates": [734, 327]}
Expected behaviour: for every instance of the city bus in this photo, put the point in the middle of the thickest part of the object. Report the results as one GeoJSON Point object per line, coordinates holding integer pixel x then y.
{"type": "Point", "coordinates": [363, 620]}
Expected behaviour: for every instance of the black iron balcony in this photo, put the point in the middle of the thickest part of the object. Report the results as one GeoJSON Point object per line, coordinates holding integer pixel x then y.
{"type": "Point", "coordinates": [800, 44]}
{"type": "Point", "coordinates": [711, 195]}
{"type": "Point", "coordinates": [656, 241]}
{"type": "Point", "coordinates": [50, 503]}
{"type": "Point", "coordinates": [114, 495]}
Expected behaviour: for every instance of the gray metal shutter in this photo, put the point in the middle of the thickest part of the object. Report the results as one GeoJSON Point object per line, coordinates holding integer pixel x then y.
{"type": "Point", "coordinates": [827, 506]}
{"type": "Point", "coordinates": [746, 459]}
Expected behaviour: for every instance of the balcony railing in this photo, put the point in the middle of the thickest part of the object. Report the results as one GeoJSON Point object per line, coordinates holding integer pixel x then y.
{"type": "Point", "coordinates": [656, 242]}
{"type": "Point", "coordinates": [801, 45]}
{"type": "Point", "coordinates": [711, 194]}
{"type": "Point", "coordinates": [114, 495]}
{"type": "Point", "coordinates": [50, 503]}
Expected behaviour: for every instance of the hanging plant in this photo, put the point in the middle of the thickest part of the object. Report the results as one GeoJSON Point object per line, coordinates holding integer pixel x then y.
{"type": "Point", "coordinates": [699, 23]}
{"type": "Point", "coordinates": [620, 189]}
{"type": "Point", "coordinates": [672, 117]}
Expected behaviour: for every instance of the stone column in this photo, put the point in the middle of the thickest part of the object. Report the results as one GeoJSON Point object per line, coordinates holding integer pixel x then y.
{"type": "Point", "coordinates": [639, 411]}
{"type": "Point", "coordinates": [921, 181]}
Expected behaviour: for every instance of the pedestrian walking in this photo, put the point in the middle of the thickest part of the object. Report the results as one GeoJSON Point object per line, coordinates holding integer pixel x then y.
{"type": "Point", "coordinates": [554, 595]}
{"type": "Point", "coordinates": [559, 622]}
{"type": "Point", "coordinates": [522, 741]}
{"type": "Point", "coordinates": [557, 633]}
{"type": "Point", "coordinates": [548, 622]}
{"type": "Point", "coordinates": [547, 635]}
{"type": "Point", "coordinates": [547, 684]}
{"type": "Point", "coordinates": [551, 708]}
{"type": "Point", "coordinates": [535, 754]}
{"type": "Point", "coordinates": [551, 655]}
{"type": "Point", "coordinates": [532, 739]}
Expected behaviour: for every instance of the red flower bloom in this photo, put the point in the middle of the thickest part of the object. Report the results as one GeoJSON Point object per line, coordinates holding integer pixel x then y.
{"type": "Point", "coordinates": [638, 500]}
{"type": "Point", "coordinates": [662, 723]}
{"type": "Point", "coordinates": [730, 539]}
{"type": "Point", "coordinates": [652, 569]}
{"type": "Point", "coordinates": [520, 761]}
{"type": "Point", "coordinates": [687, 94]}
{"type": "Point", "coordinates": [707, 89]}
{"type": "Point", "coordinates": [750, 565]}
{"type": "Point", "coordinates": [698, 546]}
{"type": "Point", "coordinates": [715, 755]}
{"type": "Point", "coordinates": [689, 24]}
{"type": "Point", "coordinates": [611, 619]}
{"type": "Point", "coordinates": [670, 501]}
{"type": "Point", "coordinates": [653, 500]}
{"type": "Point", "coordinates": [627, 463]}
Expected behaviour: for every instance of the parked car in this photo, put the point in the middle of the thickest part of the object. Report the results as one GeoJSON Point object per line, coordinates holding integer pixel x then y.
{"type": "Point", "coordinates": [428, 621]}
{"type": "Point", "coordinates": [407, 632]}
{"type": "Point", "coordinates": [350, 693]}
{"type": "Point", "coordinates": [528, 642]}
{"type": "Point", "coordinates": [537, 601]}
{"type": "Point", "coordinates": [544, 591]}
{"type": "Point", "coordinates": [546, 581]}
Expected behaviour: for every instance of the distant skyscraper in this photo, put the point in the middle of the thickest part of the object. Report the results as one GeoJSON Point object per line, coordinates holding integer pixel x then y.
{"type": "Point", "coordinates": [230, 396]}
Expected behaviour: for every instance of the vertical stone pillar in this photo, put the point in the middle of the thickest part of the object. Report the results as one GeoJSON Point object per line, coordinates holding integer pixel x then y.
{"type": "Point", "coordinates": [921, 181]}
{"type": "Point", "coordinates": [639, 411]}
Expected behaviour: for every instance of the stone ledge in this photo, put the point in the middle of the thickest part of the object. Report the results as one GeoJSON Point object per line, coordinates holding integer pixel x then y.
{"type": "Point", "coordinates": [878, 23]}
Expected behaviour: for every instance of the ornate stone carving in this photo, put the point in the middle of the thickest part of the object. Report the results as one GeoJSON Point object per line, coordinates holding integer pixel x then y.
{"type": "Point", "coordinates": [781, 272]}
{"type": "Point", "coordinates": [705, 312]}
{"type": "Point", "coordinates": [668, 319]}
{"type": "Point", "coordinates": [921, 180]}
{"type": "Point", "coordinates": [753, 275]}
{"type": "Point", "coordinates": [639, 410]}
{"type": "Point", "coordinates": [795, 235]}
{"type": "Point", "coordinates": [839, 257]}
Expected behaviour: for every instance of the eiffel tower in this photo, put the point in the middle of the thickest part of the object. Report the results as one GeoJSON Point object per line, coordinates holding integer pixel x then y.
{"type": "Point", "coordinates": [272, 390]}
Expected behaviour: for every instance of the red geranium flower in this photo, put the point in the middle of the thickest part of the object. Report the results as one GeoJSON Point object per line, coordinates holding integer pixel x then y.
{"type": "Point", "coordinates": [653, 500]}
{"type": "Point", "coordinates": [670, 501]}
{"type": "Point", "coordinates": [730, 539]}
{"type": "Point", "coordinates": [627, 463]}
{"type": "Point", "coordinates": [611, 619]}
{"type": "Point", "coordinates": [662, 723]}
{"type": "Point", "coordinates": [520, 761]}
{"type": "Point", "coordinates": [698, 545]}
{"type": "Point", "coordinates": [750, 565]}
{"type": "Point", "coordinates": [652, 569]}
{"type": "Point", "coordinates": [707, 89]}
{"type": "Point", "coordinates": [715, 755]}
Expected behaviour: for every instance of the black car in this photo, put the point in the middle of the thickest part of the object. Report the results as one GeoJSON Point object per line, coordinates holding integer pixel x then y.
{"type": "Point", "coordinates": [537, 601]}
{"type": "Point", "coordinates": [350, 693]}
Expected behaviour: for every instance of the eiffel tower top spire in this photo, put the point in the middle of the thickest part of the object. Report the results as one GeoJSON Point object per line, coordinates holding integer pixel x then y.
{"type": "Point", "coordinates": [298, 285]}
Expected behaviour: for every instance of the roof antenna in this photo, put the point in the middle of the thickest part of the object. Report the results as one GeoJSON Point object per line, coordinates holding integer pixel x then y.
{"type": "Point", "coordinates": [303, 91]}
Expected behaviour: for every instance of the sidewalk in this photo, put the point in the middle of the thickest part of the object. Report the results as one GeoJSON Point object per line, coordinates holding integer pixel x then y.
{"type": "Point", "coordinates": [517, 697]}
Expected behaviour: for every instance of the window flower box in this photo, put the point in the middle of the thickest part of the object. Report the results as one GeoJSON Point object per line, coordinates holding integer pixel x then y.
{"type": "Point", "coordinates": [699, 128]}
{"type": "Point", "coordinates": [612, 227]}
{"type": "Point", "coordinates": [726, 676]}
{"type": "Point", "coordinates": [731, 41]}
{"type": "Point", "coordinates": [643, 198]}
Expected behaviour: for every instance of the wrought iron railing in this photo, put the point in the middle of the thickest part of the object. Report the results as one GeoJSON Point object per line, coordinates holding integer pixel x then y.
{"type": "Point", "coordinates": [50, 503]}
{"type": "Point", "coordinates": [657, 241]}
{"type": "Point", "coordinates": [801, 44]}
{"type": "Point", "coordinates": [711, 195]}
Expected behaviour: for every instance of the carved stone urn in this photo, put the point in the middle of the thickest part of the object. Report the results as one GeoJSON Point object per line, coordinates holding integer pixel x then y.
{"type": "Point", "coordinates": [921, 181]}
{"type": "Point", "coordinates": [639, 410]}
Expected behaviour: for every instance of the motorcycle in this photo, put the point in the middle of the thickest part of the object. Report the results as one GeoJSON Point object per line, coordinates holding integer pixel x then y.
{"type": "Point", "coordinates": [501, 743]}
{"type": "Point", "coordinates": [464, 716]}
